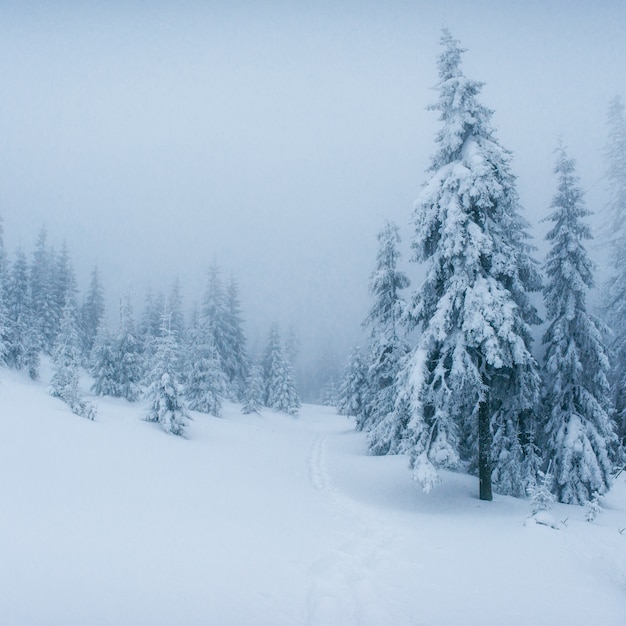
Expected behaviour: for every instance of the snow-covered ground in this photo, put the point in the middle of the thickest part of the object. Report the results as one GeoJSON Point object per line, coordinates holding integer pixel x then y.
{"type": "Point", "coordinates": [255, 520]}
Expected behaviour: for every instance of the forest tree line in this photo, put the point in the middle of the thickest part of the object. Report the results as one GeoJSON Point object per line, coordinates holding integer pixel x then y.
{"type": "Point", "coordinates": [470, 393]}
{"type": "Point", "coordinates": [177, 365]}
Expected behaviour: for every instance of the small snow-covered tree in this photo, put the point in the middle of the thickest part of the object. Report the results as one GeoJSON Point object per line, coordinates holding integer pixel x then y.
{"type": "Point", "coordinates": [279, 381]}
{"type": "Point", "coordinates": [615, 288]}
{"type": "Point", "coordinates": [480, 381]}
{"type": "Point", "coordinates": [580, 437]}
{"type": "Point", "coordinates": [592, 508]}
{"type": "Point", "coordinates": [253, 392]}
{"type": "Point", "coordinates": [329, 393]}
{"type": "Point", "coordinates": [66, 359]}
{"type": "Point", "coordinates": [541, 496]}
{"type": "Point", "coordinates": [166, 402]}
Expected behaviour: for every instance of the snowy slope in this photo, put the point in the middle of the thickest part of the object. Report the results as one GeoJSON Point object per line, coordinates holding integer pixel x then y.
{"type": "Point", "coordinates": [272, 520]}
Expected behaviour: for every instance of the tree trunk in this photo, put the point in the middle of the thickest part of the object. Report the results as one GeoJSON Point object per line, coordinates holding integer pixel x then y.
{"type": "Point", "coordinates": [484, 452]}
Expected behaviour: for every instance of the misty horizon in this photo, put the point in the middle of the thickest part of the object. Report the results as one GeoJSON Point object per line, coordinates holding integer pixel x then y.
{"type": "Point", "coordinates": [276, 140]}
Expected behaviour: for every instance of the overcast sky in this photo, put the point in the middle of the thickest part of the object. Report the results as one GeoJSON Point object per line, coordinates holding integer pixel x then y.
{"type": "Point", "coordinates": [275, 137]}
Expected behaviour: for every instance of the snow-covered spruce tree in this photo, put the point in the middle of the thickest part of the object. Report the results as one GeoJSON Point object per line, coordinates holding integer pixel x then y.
{"type": "Point", "coordinates": [615, 288]}
{"type": "Point", "coordinates": [221, 314]}
{"type": "Point", "coordinates": [205, 382]}
{"type": "Point", "coordinates": [64, 287]}
{"type": "Point", "coordinates": [166, 402]}
{"type": "Point", "coordinates": [279, 382]}
{"type": "Point", "coordinates": [541, 496]}
{"type": "Point", "coordinates": [5, 326]}
{"type": "Point", "coordinates": [353, 389]}
{"type": "Point", "coordinates": [44, 319]}
{"type": "Point", "coordinates": [92, 312]}
{"type": "Point", "coordinates": [580, 438]}
{"type": "Point", "coordinates": [236, 358]}
{"type": "Point", "coordinates": [253, 392]}
{"type": "Point", "coordinates": [387, 346]}
{"type": "Point", "coordinates": [213, 312]}
{"type": "Point", "coordinates": [175, 307]}
{"type": "Point", "coordinates": [150, 324]}
{"type": "Point", "coordinates": [103, 364]}
{"type": "Point", "coordinates": [66, 359]}
{"type": "Point", "coordinates": [5, 341]}
{"type": "Point", "coordinates": [129, 372]}
{"type": "Point", "coordinates": [480, 382]}
{"type": "Point", "coordinates": [176, 325]}
{"type": "Point", "coordinates": [329, 393]}
{"type": "Point", "coordinates": [292, 346]}
{"type": "Point", "coordinates": [23, 339]}
{"type": "Point", "coordinates": [3, 255]}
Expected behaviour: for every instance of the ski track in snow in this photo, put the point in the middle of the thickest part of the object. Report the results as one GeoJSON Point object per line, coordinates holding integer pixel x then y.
{"type": "Point", "coordinates": [344, 588]}
{"type": "Point", "coordinates": [272, 521]}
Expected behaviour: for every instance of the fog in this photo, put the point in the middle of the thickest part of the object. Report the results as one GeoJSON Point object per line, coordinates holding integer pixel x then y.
{"type": "Point", "coordinates": [274, 138]}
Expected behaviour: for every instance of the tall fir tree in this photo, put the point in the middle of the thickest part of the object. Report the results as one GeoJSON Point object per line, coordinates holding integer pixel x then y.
{"type": "Point", "coordinates": [5, 330]}
{"type": "Point", "coordinates": [253, 391]}
{"type": "Point", "coordinates": [205, 382]}
{"type": "Point", "coordinates": [5, 326]}
{"type": "Point", "coordinates": [580, 438]}
{"type": "Point", "coordinates": [64, 286]}
{"type": "Point", "coordinates": [615, 288]}
{"type": "Point", "coordinates": [174, 305]}
{"type": "Point", "coordinates": [387, 346]}
{"type": "Point", "coordinates": [66, 359]}
{"type": "Point", "coordinates": [235, 358]}
{"type": "Point", "coordinates": [279, 382]}
{"type": "Point", "coordinates": [23, 352]}
{"type": "Point", "coordinates": [3, 254]}
{"type": "Point", "coordinates": [128, 357]}
{"type": "Point", "coordinates": [150, 325]}
{"type": "Point", "coordinates": [103, 364]}
{"type": "Point", "coordinates": [292, 346]}
{"type": "Point", "coordinates": [480, 381]}
{"type": "Point", "coordinates": [213, 315]}
{"type": "Point", "coordinates": [92, 312]}
{"type": "Point", "coordinates": [165, 394]}
{"type": "Point", "coordinates": [45, 314]}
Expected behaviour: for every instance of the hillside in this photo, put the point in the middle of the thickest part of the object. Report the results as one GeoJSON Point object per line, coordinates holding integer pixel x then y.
{"type": "Point", "coordinates": [269, 519]}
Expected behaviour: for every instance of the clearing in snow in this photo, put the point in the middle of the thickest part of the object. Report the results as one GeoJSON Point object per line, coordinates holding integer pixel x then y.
{"type": "Point", "coordinates": [270, 519]}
